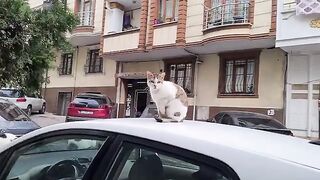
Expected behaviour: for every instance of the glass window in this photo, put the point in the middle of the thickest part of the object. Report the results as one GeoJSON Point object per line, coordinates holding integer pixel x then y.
{"type": "Point", "coordinates": [261, 123]}
{"type": "Point", "coordinates": [66, 64]}
{"type": "Point", "coordinates": [182, 74]}
{"type": "Point", "coordinates": [94, 62]}
{"type": "Point", "coordinates": [12, 93]}
{"type": "Point", "coordinates": [11, 112]}
{"type": "Point", "coordinates": [55, 158]}
{"type": "Point", "coordinates": [168, 10]}
{"type": "Point", "coordinates": [136, 163]}
{"type": "Point", "coordinates": [239, 75]}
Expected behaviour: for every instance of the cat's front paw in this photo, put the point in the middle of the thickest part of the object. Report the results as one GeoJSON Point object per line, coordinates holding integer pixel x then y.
{"type": "Point", "coordinates": [157, 118]}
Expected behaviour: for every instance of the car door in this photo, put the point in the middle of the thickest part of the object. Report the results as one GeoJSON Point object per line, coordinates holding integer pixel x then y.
{"type": "Point", "coordinates": [141, 159]}
{"type": "Point", "coordinates": [38, 101]}
{"type": "Point", "coordinates": [58, 155]}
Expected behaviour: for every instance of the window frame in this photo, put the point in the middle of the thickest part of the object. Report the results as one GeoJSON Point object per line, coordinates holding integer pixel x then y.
{"type": "Point", "coordinates": [162, 6]}
{"type": "Point", "coordinates": [187, 60]}
{"type": "Point", "coordinates": [7, 162]}
{"type": "Point", "coordinates": [224, 57]}
{"type": "Point", "coordinates": [64, 64]}
{"type": "Point", "coordinates": [92, 62]}
{"type": "Point", "coordinates": [165, 149]}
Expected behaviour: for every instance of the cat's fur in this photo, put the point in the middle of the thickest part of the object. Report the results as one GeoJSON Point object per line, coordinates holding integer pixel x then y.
{"type": "Point", "coordinates": [171, 99]}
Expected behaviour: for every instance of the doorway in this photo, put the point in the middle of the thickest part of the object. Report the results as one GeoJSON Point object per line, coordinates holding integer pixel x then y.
{"type": "Point", "coordinates": [64, 98]}
{"type": "Point", "coordinates": [137, 97]}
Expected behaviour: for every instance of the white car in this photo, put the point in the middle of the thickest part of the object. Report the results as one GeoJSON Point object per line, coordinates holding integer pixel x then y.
{"type": "Point", "coordinates": [6, 138]}
{"type": "Point", "coordinates": [143, 149]}
{"type": "Point", "coordinates": [29, 103]}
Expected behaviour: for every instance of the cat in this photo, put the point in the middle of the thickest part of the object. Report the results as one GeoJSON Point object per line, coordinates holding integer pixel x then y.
{"type": "Point", "coordinates": [171, 99]}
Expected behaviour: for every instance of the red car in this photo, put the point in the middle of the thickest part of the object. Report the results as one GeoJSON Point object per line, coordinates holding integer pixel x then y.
{"type": "Point", "coordinates": [88, 106]}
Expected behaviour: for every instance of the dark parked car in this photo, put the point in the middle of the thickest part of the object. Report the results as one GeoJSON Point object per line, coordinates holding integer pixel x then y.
{"type": "Point", "coordinates": [150, 111]}
{"type": "Point", "coordinates": [251, 120]}
{"type": "Point", "coordinates": [14, 120]}
{"type": "Point", "coordinates": [88, 106]}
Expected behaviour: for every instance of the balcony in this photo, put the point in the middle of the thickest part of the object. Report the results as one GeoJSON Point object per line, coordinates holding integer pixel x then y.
{"type": "Point", "coordinates": [86, 18]}
{"type": "Point", "coordinates": [84, 33]}
{"type": "Point", "coordinates": [122, 26]}
{"type": "Point", "coordinates": [227, 14]}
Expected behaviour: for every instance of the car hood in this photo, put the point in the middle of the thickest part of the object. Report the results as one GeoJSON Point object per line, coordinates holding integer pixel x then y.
{"type": "Point", "coordinates": [18, 127]}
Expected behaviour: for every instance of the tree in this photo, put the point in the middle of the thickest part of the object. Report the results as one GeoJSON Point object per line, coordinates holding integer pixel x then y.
{"type": "Point", "coordinates": [29, 39]}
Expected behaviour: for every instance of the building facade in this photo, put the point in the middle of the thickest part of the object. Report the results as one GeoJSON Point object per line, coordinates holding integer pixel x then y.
{"type": "Point", "coordinates": [221, 52]}
{"type": "Point", "coordinates": [298, 34]}
{"type": "Point", "coordinates": [83, 69]}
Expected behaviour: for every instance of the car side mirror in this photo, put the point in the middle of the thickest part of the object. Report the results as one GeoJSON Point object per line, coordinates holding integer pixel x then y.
{"type": "Point", "coordinates": [112, 103]}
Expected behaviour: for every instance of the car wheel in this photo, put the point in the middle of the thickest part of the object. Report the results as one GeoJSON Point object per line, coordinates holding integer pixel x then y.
{"type": "Point", "coordinates": [29, 110]}
{"type": "Point", "coordinates": [43, 109]}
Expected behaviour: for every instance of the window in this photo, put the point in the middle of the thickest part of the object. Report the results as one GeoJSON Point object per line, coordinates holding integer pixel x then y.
{"type": "Point", "coordinates": [85, 12]}
{"type": "Point", "coordinates": [94, 62]}
{"type": "Point", "coordinates": [239, 74]}
{"type": "Point", "coordinates": [224, 12]}
{"type": "Point", "coordinates": [55, 158]}
{"type": "Point", "coordinates": [181, 74]}
{"type": "Point", "coordinates": [138, 163]}
{"type": "Point", "coordinates": [167, 10]}
{"type": "Point", "coordinates": [66, 64]}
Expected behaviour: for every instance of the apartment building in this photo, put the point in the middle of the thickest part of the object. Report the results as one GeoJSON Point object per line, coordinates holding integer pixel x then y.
{"type": "Point", "coordinates": [298, 34]}
{"type": "Point", "coordinates": [83, 69]}
{"type": "Point", "coordinates": [221, 52]}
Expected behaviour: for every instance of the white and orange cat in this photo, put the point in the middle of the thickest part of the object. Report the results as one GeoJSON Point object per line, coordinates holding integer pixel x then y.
{"type": "Point", "coordinates": [171, 99]}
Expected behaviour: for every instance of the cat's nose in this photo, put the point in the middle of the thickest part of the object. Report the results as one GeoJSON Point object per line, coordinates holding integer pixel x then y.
{"type": "Point", "coordinates": [155, 86]}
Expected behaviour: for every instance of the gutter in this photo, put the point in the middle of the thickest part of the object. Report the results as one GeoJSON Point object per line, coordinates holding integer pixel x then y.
{"type": "Point", "coordinates": [195, 86]}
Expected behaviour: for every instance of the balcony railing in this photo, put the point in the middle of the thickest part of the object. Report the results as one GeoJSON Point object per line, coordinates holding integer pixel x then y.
{"type": "Point", "coordinates": [86, 18]}
{"type": "Point", "coordinates": [227, 14]}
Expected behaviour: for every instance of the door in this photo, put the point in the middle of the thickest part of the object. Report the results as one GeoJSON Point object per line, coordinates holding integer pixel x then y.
{"type": "Point", "coordinates": [64, 98]}
{"type": "Point", "coordinates": [87, 13]}
{"type": "Point", "coordinates": [138, 159]}
{"type": "Point", "coordinates": [33, 100]}
{"type": "Point", "coordinates": [141, 100]}
{"type": "Point", "coordinates": [62, 155]}
{"type": "Point", "coordinates": [137, 97]}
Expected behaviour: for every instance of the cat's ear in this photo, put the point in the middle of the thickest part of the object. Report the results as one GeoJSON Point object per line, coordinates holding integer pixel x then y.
{"type": "Point", "coordinates": [149, 75]}
{"type": "Point", "coordinates": [162, 76]}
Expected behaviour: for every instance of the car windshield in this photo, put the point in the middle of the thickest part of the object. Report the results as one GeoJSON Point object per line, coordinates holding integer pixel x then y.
{"type": "Point", "coordinates": [261, 123]}
{"type": "Point", "coordinates": [10, 112]}
{"type": "Point", "coordinates": [12, 93]}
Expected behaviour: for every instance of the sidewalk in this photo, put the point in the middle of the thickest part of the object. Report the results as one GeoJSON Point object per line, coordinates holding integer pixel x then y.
{"type": "Point", "coordinates": [47, 119]}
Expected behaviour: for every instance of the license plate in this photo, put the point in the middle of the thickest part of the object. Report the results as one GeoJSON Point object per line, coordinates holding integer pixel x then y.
{"type": "Point", "coordinates": [86, 112]}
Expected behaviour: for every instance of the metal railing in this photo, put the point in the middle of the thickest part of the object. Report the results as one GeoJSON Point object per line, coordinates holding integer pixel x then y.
{"type": "Point", "coordinates": [86, 18]}
{"type": "Point", "coordinates": [227, 14]}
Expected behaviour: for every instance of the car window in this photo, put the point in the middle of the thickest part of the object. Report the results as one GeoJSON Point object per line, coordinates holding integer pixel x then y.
{"type": "Point", "coordinates": [138, 163]}
{"type": "Point", "coordinates": [11, 93]}
{"type": "Point", "coordinates": [55, 158]}
{"type": "Point", "coordinates": [11, 112]}
{"type": "Point", "coordinates": [226, 119]}
{"type": "Point", "coordinates": [218, 117]}
{"type": "Point", "coordinates": [89, 102]}
{"type": "Point", "coordinates": [261, 123]}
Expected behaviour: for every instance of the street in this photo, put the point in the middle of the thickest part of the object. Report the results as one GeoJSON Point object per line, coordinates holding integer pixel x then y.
{"type": "Point", "coordinates": [47, 119]}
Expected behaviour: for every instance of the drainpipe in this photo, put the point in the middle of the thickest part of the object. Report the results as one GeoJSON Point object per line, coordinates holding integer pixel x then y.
{"type": "Point", "coordinates": [119, 91]}
{"type": "Point", "coordinates": [75, 72]}
{"type": "Point", "coordinates": [310, 98]}
{"type": "Point", "coordinates": [285, 94]}
{"type": "Point", "coordinates": [195, 88]}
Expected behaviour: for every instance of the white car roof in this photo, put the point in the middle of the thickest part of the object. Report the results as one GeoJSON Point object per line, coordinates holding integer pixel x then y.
{"type": "Point", "coordinates": [227, 143]}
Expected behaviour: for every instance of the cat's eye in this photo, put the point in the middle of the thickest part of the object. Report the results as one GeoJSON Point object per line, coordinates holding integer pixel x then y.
{"type": "Point", "coordinates": [151, 81]}
{"type": "Point", "coordinates": [158, 82]}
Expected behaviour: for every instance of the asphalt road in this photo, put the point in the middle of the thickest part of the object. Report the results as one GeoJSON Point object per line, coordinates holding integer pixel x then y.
{"type": "Point", "coordinates": [47, 119]}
